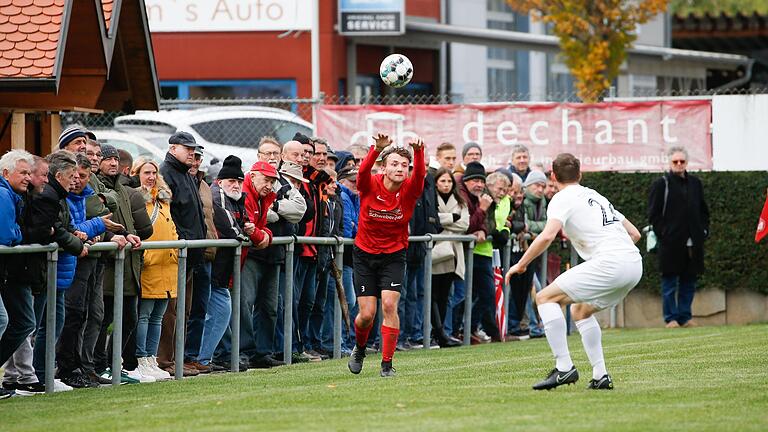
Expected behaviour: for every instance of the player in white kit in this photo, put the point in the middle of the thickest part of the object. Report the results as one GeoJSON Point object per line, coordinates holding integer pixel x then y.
{"type": "Point", "coordinates": [605, 239]}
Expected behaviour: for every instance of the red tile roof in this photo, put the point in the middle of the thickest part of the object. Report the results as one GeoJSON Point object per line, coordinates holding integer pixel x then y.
{"type": "Point", "coordinates": [29, 35]}
{"type": "Point", "coordinates": [106, 6]}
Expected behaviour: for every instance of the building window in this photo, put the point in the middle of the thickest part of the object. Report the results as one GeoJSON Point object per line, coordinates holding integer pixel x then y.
{"type": "Point", "coordinates": [559, 81]}
{"type": "Point", "coordinates": [502, 78]}
{"type": "Point", "coordinates": [275, 89]}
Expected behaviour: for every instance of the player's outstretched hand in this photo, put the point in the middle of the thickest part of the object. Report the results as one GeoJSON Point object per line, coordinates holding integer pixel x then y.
{"type": "Point", "coordinates": [515, 269]}
{"type": "Point", "coordinates": [417, 145]}
{"type": "Point", "coordinates": [382, 141]}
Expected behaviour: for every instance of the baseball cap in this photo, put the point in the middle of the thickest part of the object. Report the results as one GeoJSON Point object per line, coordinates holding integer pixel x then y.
{"type": "Point", "coordinates": [265, 168]}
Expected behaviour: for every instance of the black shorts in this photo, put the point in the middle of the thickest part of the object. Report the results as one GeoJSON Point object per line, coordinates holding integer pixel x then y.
{"type": "Point", "coordinates": [375, 273]}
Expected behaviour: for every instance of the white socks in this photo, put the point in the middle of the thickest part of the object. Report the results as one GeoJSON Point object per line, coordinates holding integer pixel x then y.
{"type": "Point", "coordinates": [591, 336]}
{"type": "Point", "coordinates": [554, 326]}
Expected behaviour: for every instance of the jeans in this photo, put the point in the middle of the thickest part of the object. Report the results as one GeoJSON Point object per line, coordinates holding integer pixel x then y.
{"type": "Point", "coordinates": [323, 302]}
{"type": "Point", "coordinates": [258, 308]}
{"type": "Point", "coordinates": [201, 292]}
{"type": "Point", "coordinates": [677, 293]}
{"type": "Point", "coordinates": [79, 296]}
{"type": "Point", "coordinates": [348, 336]}
{"type": "Point", "coordinates": [216, 322]}
{"type": "Point", "coordinates": [455, 314]}
{"type": "Point", "coordinates": [94, 317]}
{"type": "Point", "coordinates": [483, 296]}
{"type": "Point", "coordinates": [533, 322]}
{"type": "Point", "coordinates": [18, 368]}
{"type": "Point", "coordinates": [277, 342]}
{"type": "Point", "coordinates": [19, 304]}
{"type": "Point", "coordinates": [148, 326]}
{"type": "Point", "coordinates": [304, 291]}
{"type": "Point", "coordinates": [406, 308]}
{"type": "Point", "coordinates": [38, 351]}
{"type": "Point", "coordinates": [330, 305]}
{"type": "Point", "coordinates": [3, 318]}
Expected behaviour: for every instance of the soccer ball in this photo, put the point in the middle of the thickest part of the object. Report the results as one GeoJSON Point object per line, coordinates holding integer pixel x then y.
{"type": "Point", "coordinates": [396, 70]}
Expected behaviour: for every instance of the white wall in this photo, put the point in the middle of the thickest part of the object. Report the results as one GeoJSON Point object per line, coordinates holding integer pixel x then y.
{"type": "Point", "coordinates": [740, 133]}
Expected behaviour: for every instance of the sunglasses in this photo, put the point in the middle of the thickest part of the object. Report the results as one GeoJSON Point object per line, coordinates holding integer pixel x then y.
{"type": "Point", "coordinates": [679, 162]}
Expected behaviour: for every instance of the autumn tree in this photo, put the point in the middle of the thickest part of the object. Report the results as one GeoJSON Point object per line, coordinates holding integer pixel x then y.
{"type": "Point", "coordinates": [594, 35]}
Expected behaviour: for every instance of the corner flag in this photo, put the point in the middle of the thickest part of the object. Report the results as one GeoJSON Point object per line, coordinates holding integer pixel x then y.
{"type": "Point", "coordinates": [762, 224]}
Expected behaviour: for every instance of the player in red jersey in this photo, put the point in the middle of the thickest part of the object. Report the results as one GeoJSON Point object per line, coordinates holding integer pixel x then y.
{"type": "Point", "coordinates": [387, 201]}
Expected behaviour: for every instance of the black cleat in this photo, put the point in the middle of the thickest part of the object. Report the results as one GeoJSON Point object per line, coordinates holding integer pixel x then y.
{"type": "Point", "coordinates": [387, 371]}
{"type": "Point", "coordinates": [356, 360]}
{"type": "Point", "coordinates": [604, 383]}
{"type": "Point", "coordinates": [557, 378]}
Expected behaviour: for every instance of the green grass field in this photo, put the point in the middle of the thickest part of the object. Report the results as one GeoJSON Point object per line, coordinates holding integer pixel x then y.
{"type": "Point", "coordinates": [712, 378]}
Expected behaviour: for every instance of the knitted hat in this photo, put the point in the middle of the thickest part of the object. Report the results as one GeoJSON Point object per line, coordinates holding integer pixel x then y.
{"type": "Point", "coordinates": [474, 170]}
{"type": "Point", "coordinates": [533, 178]}
{"type": "Point", "coordinates": [300, 137]}
{"type": "Point", "coordinates": [468, 146]}
{"type": "Point", "coordinates": [72, 132]}
{"type": "Point", "coordinates": [231, 168]}
{"type": "Point", "coordinates": [108, 151]}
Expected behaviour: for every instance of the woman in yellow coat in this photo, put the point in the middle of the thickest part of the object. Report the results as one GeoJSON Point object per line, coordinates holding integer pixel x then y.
{"type": "Point", "coordinates": [159, 274]}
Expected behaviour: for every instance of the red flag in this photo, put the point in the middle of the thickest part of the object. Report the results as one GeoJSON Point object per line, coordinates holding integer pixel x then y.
{"type": "Point", "coordinates": [501, 323]}
{"type": "Point", "coordinates": [762, 224]}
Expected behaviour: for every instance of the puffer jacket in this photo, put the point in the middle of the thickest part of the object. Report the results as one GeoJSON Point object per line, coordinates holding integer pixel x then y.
{"type": "Point", "coordinates": [131, 212]}
{"type": "Point", "coordinates": [535, 212]}
{"type": "Point", "coordinates": [446, 211]}
{"type": "Point", "coordinates": [10, 231]}
{"type": "Point", "coordinates": [94, 227]}
{"type": "Point", "coordinates": [160, 272]}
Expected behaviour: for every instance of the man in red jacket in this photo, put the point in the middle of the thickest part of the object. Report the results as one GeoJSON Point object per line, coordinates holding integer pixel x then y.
{"type": "Point", "coordinates": [259, 197]}
{"type": "Point", "coordinates": [387, 201]}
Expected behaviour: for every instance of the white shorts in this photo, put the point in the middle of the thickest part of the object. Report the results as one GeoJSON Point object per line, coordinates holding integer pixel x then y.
{"type": "Point", "coordinates": [602, 282]}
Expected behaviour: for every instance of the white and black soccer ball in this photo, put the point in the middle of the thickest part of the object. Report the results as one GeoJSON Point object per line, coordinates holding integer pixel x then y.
{"type": "Point", "coordinates": [396, 70]}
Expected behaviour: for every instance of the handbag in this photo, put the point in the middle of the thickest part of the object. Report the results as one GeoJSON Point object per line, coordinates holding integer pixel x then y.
{"type": "Point", "coordinates": [443, 251]}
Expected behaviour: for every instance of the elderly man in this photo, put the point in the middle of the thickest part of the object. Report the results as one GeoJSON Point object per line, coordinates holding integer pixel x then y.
{"type": "Point", "coordinates": [680, 218]}
{"type": "Point", "coordinates": [481, 210]}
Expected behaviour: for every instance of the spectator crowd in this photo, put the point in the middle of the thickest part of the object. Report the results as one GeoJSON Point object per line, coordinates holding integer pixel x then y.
{"type": "Point", "coordinates": [87, 192]}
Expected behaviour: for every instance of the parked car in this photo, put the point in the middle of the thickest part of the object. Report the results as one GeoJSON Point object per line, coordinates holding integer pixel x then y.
{"type": "Point", "coordinates": [222, 130]}
{"type": "Point", "coordinates": [141, 142]}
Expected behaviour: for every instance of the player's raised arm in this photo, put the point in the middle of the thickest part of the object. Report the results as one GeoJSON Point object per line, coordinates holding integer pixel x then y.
{"type": "Point", "coordinates": [381, 142]}
{"type": "Point", "coordinates": [539, 245]}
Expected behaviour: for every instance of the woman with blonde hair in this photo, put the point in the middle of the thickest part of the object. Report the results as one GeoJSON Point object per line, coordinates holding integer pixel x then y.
{"type": "Point", "coordinates": [159, 275]}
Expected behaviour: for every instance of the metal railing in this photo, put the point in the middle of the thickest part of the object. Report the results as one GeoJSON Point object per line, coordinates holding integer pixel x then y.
{"type": "Point", "coordinates": [289, 242]}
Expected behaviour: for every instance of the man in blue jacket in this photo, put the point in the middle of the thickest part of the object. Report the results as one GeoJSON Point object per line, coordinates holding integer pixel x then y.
{"type": "Point", "coordinates": [350, 201]}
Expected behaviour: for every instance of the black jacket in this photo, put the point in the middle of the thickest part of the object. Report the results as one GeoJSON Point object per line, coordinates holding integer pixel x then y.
{"type": "Point", "coordinates": [686, 216]}
{"type": "Point", "coordinates": [424, 220]}
{"type": "Point", "coordinates": [229, 217]}
{"type": "Point", "coordinates": [186, 206]}
{"type": "Point", "coordinates": [333, 220]}
{"type": "Point", "coordinates": [47, 210]}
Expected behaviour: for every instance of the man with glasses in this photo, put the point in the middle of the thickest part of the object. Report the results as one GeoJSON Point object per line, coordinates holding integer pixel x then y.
{"type": "Point", "coordinates": [680, 219]}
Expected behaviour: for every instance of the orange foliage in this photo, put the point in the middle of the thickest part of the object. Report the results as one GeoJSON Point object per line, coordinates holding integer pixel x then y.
{"type": "Point", "coordinates": [594, 35]}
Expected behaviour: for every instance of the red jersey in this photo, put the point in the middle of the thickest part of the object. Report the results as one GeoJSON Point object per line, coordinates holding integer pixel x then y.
{"type": "Point", "coordinates": [384, 215]}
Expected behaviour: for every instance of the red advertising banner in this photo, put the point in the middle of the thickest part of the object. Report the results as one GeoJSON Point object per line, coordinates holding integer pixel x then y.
{"type": "Point", "coordinates": [626, 136]}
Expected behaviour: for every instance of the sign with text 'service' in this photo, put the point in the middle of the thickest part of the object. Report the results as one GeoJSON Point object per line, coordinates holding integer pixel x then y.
{"type": "Point", "coordinates": [228, 15]}
{"type": "Point", "coordinates": [372, 17]}
{"type": "Point", "coordinates": [626, 136]}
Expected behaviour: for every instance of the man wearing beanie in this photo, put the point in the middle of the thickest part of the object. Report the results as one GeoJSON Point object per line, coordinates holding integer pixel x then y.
{"type": "Point", "coordinates": [231, 221]}
{"type": "Point", "coordinates": [74, 139]}
{"type": "Point", "coordinates": [481, 222]}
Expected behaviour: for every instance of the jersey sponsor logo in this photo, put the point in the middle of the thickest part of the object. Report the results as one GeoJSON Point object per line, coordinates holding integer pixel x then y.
{"type": "Point", "coordinates": [392, 215]}
{"type": "Point", "coordinates": [608, 219]}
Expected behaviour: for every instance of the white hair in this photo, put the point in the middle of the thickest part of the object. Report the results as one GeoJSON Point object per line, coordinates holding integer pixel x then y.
{"type": "Point", "coordinates": [496, 178]}
{"type": "Point", "coordinates": [10, 160]}
{"type": "Point", "coordinates": [677, 149]}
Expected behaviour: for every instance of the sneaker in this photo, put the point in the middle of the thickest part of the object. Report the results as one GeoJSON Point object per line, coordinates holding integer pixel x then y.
{"type": "Point", "coordinates": [315, 353]}
{"type": "Point", "coordinates": [672, 324]}
{"type": "Point", "coordinates": [387, 371]}
{"type": "Point", "coordinates": [557, 378]}
{"type": "Point", "coordinates": [417, 344]}
{"type": "Point", "coordinates": [690, 323]}
{"type": "Point", "coordinates": [604, 383]}
{"type": "Point", "coordinates": [405, 346]}
{"type": "Point", "coordinates": [355, 363]}
{"type": "Point", "coordinates": [138, 376]}
{"type": "Point", "coordinates": [94, 377]}
{"type": "Point", "coordinates": [5, 393]}
{"type": "Point", "coordinates": [537, 335]}
{"type": "Point", "coordinates": [482, 335]}
{"type": "Point", "coordinates": [160, 374]}
{"type": "Point", "coordinates": [30, 389]}
{"type": "Point", "coordinates": [433, 344]}
{"type": "Point", "coordinates": [59, 386]}
{"type": "Point", "coordinates": [310, 357]}
{"type": "Point", "coordinates": [10, 386]}
{"type": "Point", "coordinates": [78, 380]}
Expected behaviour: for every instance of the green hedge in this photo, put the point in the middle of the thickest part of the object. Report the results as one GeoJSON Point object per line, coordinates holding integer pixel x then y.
{"type": "Point", "coordinates": [735, 199]}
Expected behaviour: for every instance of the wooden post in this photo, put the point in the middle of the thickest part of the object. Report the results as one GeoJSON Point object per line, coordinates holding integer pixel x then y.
{"type": "Point", "coordinates": [18, 126]}
{"type": "Point", "coordinates": [55, 130]}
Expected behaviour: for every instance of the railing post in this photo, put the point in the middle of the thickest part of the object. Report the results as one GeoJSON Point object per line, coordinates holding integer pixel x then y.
{"type": "Point", "coordinates": [427, 306]}
{"type": "Point", "coordinates": [505, 265]}
{"type": "Point", "coordinates": [469, 262]}
{"type": "Point", "coordinates": [50, 321]}
{"type": "Point", "coordinates": [181, 294]}
{"type": "Point", "coordinates": [235, 320]}
{"type": "Point", "coordinates": [117, 317]}
{"type": "Point", "coordinates": [337, 304]}
{"type": "Point", "coordinates": [288, 304]}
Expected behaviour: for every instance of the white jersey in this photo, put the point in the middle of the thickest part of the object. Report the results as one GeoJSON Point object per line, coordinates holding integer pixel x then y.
{"type": "Point", "coordinates": [591, 223]}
